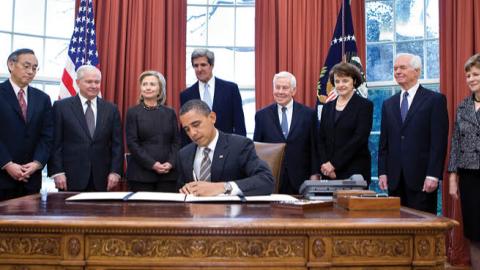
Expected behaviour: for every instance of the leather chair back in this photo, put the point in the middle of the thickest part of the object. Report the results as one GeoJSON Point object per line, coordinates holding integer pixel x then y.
{"type": "Point", "coordinates": [272, 154]}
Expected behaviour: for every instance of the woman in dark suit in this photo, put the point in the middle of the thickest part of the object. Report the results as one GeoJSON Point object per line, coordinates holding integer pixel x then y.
{"type": "Point", "coordinates": [345, 126]}
{"type": "Point", "coordinates": [464, 164]}
{"type": "Point", "coordinates": [152, 138]}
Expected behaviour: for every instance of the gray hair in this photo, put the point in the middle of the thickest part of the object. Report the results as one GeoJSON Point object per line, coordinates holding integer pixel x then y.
{"type": "Point", "coordinates": [288, 75]}
{"type": "Point", "coordinates": [82, 69]}
{"type": "Point", "coordinates": [162, 96]}
{"type": "Point", "coordinates": [203, 53]}
{"type": "Point", "coordinates": [195, 105]}
{"type": "Point", "coordinates": [415, 60]}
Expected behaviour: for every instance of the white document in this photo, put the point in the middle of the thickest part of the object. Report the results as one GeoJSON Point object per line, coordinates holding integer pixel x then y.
{"type": "Point", "coordinates": [219, 198]}
{"type": "Point", "coordinates": [157, 196]}
{"type": "Point", "coordinates": [86, 196]}
{"type": "Point", "coordinates": [271, 198]}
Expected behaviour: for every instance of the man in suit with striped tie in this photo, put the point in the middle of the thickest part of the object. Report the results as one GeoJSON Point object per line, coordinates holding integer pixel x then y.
{"type": "Point", "coordinates": [27, 130]}
{"type": "Point", "coordinates": [216, 162]}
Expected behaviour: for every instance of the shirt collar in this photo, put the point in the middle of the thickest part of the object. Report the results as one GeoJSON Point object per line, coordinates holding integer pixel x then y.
{"type": "Point", "coordinates": [213, 143]}
{"type": "Point", "coordinates": [17, 88]}
{"type": "Point", "coordinates": [84, 99]}
{"type": "Point", "coordinates": [412, 91]}
{"type": "Point", "coordinates": [289, 105]}
{"type": "Point", "coordinates": [210, 83]}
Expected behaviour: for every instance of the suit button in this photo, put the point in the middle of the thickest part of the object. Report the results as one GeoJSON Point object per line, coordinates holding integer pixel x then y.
{"type": "Point", "coordinates": [478, 134]}
{"type": "Point", "coordinates": [402, 137]}
{"type": "Point", "coordinates": [461, 151]}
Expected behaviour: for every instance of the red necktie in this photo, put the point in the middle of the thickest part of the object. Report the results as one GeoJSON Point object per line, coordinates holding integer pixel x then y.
{"type": "Point", "coordinates": [22, 103]}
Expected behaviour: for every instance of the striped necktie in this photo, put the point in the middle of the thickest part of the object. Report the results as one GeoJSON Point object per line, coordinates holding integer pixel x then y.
{"type": "Point", "coordinates": [205, 165]}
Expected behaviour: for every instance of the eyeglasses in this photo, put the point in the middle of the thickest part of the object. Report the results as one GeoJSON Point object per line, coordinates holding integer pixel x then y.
{"type": "Point", "coordinates": [28, 66]}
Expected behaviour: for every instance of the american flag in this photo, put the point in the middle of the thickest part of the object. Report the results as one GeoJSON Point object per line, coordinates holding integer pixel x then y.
{"type": "Point", "coordinates": [343, 47]}
{"type": "Point", "coordinates": [82, 49]}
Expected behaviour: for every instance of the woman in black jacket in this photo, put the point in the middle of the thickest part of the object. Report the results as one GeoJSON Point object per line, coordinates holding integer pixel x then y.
{"type": "Point", "coordinates": [345, 126]}
{"type": "Point", "coordinates": [152, 138]}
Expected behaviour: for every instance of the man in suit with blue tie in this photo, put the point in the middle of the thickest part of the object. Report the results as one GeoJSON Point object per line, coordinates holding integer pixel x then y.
{"type": "Point", "coordinates": [287, 121]}
{"type": "Point", "coordinates": [27, 130]}
{"type": "Point", "coordinates": [413, 138]}
{"type": "Point", "coordinates": [223, 97]}
{"type": "Point", "coordinates": [216, 162]}
{"type": "Point", "coordinates": [88, 145]}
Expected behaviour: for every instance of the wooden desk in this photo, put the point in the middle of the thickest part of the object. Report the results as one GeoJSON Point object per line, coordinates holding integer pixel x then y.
{"type": "Point", "coordinates": [144, 235]}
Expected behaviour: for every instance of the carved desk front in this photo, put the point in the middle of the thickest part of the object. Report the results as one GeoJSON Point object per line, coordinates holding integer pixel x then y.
{"type": "Point", "coordinates": [144, 235]}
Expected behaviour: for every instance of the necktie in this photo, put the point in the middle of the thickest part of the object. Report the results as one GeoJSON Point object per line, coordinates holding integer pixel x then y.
{"type": "Point", "coordinates": [284, 123]}
{"type": "Point", "coordinates": [207, 97]}
{"type": "Point", "coordinates": [404, 106]}
{"type": "Point", "coordinates": [205, 165]}
{"type": "Point", "coordinates": [90, 118]}
{"type": "Point", "coordinates": [22, 103]}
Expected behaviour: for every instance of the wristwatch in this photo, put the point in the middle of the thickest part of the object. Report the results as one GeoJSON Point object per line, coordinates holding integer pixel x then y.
{"type": "Point", "coordinates": [228, 188]}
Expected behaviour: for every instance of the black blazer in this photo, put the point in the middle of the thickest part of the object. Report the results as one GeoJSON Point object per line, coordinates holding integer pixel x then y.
{"type": "Point", "coordinates": [417, 147]}
{"type": "Point", "coordinates": [344, 142]}
{"type": "Point", "coordinates": [300, 160]}
{"type": "Point", "coordinates": [152, 135]}
{"type": "Point", "coordinates": [22, 142]}
{"type": "Point", "coordinates": [79, 155]}
{"type": "Point", "coordinates": [235, 160]}
{"type": "Point", "coordinates": [227, 104]}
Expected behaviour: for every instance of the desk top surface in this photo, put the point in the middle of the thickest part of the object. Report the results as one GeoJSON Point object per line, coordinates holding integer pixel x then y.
{"type": "Point", "coordinates": [56, 211]}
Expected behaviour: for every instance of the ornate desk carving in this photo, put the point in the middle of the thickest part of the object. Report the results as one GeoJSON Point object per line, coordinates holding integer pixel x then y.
{"type": "Point", "coordinates": [119, 235]}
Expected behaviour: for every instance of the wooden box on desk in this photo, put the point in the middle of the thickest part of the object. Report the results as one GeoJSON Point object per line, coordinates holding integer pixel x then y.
{"type": "Point", "coordinates": [365, 200]}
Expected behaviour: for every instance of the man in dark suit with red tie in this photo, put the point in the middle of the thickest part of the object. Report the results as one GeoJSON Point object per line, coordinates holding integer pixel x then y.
{"type": "Point", "coordinates": [287, 121]}
{"type": "Point", "coordinates": [413, 138]}
{"type": "Point", "coordinates": [223, 97]}
{"type": "Point", "coordinates": [88, 145]}
{"type": "Point", "coordinates": [27, 131]}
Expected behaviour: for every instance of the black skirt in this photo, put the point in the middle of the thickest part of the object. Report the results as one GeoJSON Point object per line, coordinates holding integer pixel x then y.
{"type": "Point", "coordinates": [469, 185]}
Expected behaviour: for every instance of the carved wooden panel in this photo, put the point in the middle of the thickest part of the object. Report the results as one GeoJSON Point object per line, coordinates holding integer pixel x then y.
{"type": "Point", "coordinates": [30, 245]}
{"type": "Point", "coordinates": [195, 247]}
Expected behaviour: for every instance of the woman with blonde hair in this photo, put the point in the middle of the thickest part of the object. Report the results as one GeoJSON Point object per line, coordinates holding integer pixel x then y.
{"type": "Point", "coordinates": [152, 138]}
{"type": "Point", "coordinates": [464, 164]}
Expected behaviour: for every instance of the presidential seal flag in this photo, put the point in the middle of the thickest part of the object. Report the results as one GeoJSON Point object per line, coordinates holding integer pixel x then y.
{"type": "Point", "coordinates": [343, 47]}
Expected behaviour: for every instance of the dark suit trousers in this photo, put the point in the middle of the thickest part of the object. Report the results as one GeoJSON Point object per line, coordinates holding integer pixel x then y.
{"type": "Point", "coordinates": [418, 200]}
{"type": "Point", "coordinates": [18, 191]}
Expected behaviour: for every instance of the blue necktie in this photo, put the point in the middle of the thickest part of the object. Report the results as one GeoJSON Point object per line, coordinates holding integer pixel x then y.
{"type": "Point", "coordinates": [207, 97]}
{"type": "Point", "coordinates": [404, 106]}
{"type": "Point", "coordinates": [284, 122]}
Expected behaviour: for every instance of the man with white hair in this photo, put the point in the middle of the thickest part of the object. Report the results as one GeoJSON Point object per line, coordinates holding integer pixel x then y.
{"type": "Point", "coordinates": [287, 121]}
{"type": "Point", "coordinates": [413, 138]}
{"type": "Point", "coordinates": [88, 145]}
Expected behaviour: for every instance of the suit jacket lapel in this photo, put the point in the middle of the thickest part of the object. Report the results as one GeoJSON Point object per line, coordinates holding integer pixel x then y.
{"type": "Point", "coordinates": [348, 108]}
{"type": "Point", "coordinates": [294, 120]}
{"type": "Point", "coordinates": [101, 115]}
{"type": "Point", "coordinates": [396, 109]}
{"type": "Point", "coordinates": [417, 101]}
{"type": "Point", "coordinates": [190, 157]}
{"type": "Point", "coordinates": [11, 98]}
{"type": "Point", "coordinates": [276, 121]}
{"type": "Point", "coordinates": [31, 105]}
{"type": "Point", "coordinates": [77, 110]}
{"type": "Point", "coordinates": [219, 157]}
{"type": "Point", "coordinates": [469, 113]}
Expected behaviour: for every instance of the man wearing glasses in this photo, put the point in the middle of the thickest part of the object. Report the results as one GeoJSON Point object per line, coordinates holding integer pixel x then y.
{"type": "Point", "coordinates": [26, 132]}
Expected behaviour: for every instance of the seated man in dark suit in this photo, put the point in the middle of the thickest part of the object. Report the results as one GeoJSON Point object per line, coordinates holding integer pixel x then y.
{"type": "Point", "coordinates": [216, 162]}
{"type": "Point", "coordinates": [26, 134]}
{"type": "Point", "coordinates": [88, 145]}
{"type": "Point", "coordinates": [287, 121]}
{"type": "Point", "coordinates": [222, 97]}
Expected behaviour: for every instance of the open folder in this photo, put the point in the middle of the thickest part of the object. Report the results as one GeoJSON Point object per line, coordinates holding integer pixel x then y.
{"type": "Point", "coordinates": [175, 197]}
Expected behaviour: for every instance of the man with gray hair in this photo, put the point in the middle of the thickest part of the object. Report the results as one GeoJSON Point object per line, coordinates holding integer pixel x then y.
{"type": "Point", "coordinates": [27, 131]}
{"type": "Point", "coordinates": [88, 145]}
{"type": "Point", "coordinates": [287, 121]}
{"type": "Point", "coordinates": [413, 138]}
{"type": "Point", "coordinates": [223, 97]}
